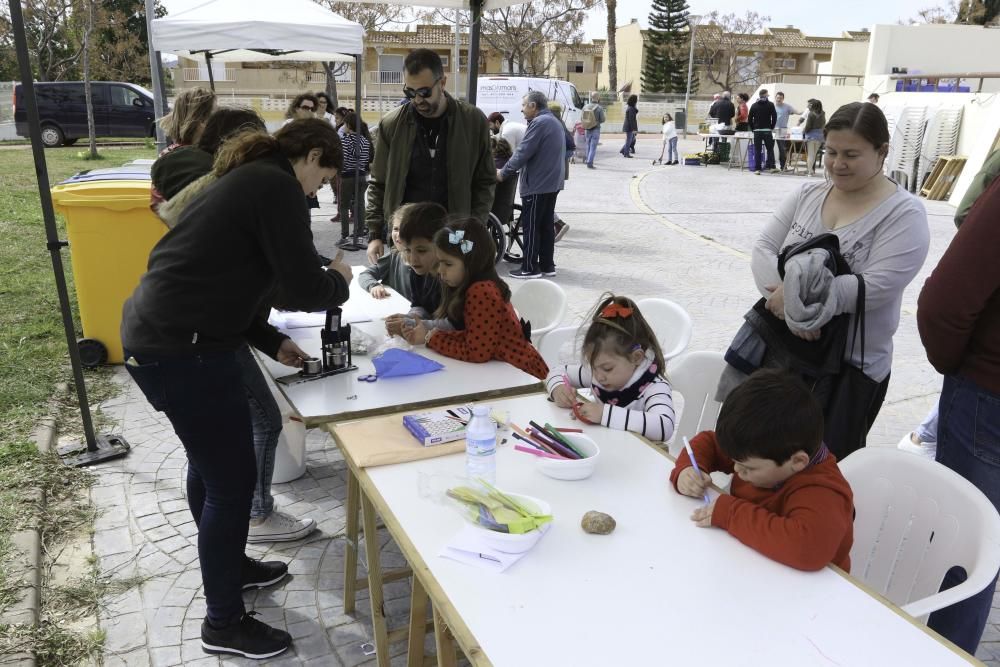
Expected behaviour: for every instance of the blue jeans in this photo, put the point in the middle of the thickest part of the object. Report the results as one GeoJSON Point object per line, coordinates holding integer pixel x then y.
{"type": "Point", "coordinates": [629, 138]}
{"type": "Point", "coordinates": [593, 138]}
{"type": "Point", "coordinates": [672, 150]}
{"type": "Point", "coordinates": [265, 418]}
{"type": "Point", "coordinates": [538, 225]}
{"type": "Point", "coordinates": [968, 442]}
{"type": "Point", "coordinates": [204, 398]}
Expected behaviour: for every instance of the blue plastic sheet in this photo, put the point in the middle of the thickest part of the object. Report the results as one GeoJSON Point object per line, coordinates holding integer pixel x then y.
{"type": "Point", "coordinates": [396, 363]}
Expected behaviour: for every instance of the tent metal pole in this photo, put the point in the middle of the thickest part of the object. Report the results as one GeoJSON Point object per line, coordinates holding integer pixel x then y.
{"type": "Point", "coordinates": [475, 25]}
{"type": "Point", "coordinates": [159, 99]}
{"type": "Point", "coordinates": [208, 64]}
{"type": "Point", "coordinates": [358, 208]}
{"type": "Point", "coordinates": [96, 448]}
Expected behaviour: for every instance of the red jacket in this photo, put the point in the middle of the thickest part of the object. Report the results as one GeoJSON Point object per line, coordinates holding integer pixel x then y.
{"type": "Point", "coordinates": [806, 523]}
{"type": "Point", "coordinates": [492, 331]}
{"type": "Point", "coordinates": [958, 312]}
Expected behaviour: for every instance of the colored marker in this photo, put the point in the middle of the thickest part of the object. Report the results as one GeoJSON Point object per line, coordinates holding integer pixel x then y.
{"type": "Point", "coordinates": [694, 462]}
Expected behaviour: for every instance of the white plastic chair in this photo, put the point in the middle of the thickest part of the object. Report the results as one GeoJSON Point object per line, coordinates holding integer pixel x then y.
{"type": "Point", "coordinates": [541, 302]}
{"type": "Point", "coordinates": [670, 322]}
{"type": "Point", "coordinates": [551, 346]}
{"type": "Point", "coordinates": [915, 520]}
{"type": "Point", "coordinates": [695, 376]}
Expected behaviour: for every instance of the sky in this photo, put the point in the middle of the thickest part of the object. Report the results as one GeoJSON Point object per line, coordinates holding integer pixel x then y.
{"type": "Point", "coordinates": [829, 18]}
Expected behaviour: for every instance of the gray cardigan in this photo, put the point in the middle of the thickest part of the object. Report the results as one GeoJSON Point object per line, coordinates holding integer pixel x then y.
{"type": "Point", "coordinates": [887, 246]}
{"type": "Point", "coordinates": [390, 270]}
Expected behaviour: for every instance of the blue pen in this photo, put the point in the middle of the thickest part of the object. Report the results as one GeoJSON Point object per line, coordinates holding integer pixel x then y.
{"type": "Point", "coordinates": [694, 462]}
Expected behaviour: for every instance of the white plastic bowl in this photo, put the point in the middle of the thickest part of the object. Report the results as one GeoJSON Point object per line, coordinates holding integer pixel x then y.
{"type": "Point", "coordinates": [572, 469]}
{"type": "Point", "coordinates": [515, 543]}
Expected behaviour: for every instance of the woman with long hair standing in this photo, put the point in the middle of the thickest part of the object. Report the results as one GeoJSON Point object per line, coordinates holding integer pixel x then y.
{"type": "Point", "coordinates": [197, 305]}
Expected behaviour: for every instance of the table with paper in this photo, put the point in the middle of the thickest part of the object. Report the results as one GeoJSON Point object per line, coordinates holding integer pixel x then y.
{"type": "Point", "coordinates": [657, 590]}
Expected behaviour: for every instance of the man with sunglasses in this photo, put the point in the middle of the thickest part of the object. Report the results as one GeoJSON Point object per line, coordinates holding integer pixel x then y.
{"type": "Point", "coordinates": [433, 148]}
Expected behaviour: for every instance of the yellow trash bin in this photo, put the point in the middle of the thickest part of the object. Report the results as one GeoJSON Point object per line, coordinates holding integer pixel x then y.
{"type": "Point", "coordinates": [111, 231]}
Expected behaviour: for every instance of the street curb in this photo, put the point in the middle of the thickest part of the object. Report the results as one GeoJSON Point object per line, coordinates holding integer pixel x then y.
{"type": "Point", "coordinates": [28, 549]}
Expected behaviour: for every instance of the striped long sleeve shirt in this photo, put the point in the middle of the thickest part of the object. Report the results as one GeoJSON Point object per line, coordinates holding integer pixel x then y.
{"type": "Point", "coordinates": [357, 152]}
{"type": "Point", "coordinates": [651, 415]}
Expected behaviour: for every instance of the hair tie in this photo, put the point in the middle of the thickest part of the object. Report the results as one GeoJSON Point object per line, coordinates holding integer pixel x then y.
{"type": "Point", "coordinates": [458, 238]}
{"type": "Point", "coordinates": [614, 310]}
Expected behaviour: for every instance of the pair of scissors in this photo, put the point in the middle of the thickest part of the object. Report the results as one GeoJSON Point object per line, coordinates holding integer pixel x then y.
{"type": "Point", "coordinates": [367, 378]}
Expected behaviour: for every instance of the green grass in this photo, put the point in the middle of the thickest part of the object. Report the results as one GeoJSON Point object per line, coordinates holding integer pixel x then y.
{"type": "Point", "coordinates": [33, 354]}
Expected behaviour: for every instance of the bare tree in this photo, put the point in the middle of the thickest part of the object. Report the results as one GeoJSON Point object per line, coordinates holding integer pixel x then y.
{"type": "Point", "coordinates": [731, 49]}
{"type": "Point", "coordinates": [612, 45]}
{"type": "Point", "coordinates": [87, 30]}
{"type": "Point", "coordinates": [520, 32]}
{"type": "Point", "coordinates": [938, 14]}
{"type": "Point", "coordinates": [372, 17]}
{"type": "Point", "coordinates": [52, 44]}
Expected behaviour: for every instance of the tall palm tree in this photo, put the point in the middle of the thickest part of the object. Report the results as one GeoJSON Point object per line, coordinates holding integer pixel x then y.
{"type": "Point", "coordinates": [612, 47]}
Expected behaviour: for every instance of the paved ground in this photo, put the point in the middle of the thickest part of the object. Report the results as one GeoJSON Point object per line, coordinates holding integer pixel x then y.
{"type": "Point", "coordinates": [678, 232]}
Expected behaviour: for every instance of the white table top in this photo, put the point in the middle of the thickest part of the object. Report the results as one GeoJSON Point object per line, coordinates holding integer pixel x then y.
{"type": "Point", "coordinates": [360, 307]}
{"type": "Point", "coordinates": [656, 591]}
{"type": "Point", "coordinates": [326, 399]}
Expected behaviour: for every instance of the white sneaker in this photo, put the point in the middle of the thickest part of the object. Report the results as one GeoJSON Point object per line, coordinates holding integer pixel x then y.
{"type": "Point", "coordinates": [279, 527]}
{"type": "Point", "coordinates": [911, 443]}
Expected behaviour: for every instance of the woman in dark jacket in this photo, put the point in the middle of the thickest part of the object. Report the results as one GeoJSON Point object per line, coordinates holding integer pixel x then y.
{"type": "Point", "coordinates": [631, 124]}
{"type": "Point", "coordinates": [194, 310]}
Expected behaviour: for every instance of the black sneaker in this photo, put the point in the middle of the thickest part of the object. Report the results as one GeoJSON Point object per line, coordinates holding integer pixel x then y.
{"type": "Point", "coordinates": [247, 637]}
{"type": "Point", "coordinates": [261, 573]}
{"type": "Point", "coordinates": [525, 275]}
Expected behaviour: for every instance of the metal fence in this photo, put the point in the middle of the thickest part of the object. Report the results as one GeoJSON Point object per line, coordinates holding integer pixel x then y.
{"type": "Point", "coordinates": [7, 101]}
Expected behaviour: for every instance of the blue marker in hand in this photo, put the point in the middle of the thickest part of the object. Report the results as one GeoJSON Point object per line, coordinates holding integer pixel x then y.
{"type": "Point", "coordinates": [694, 462]}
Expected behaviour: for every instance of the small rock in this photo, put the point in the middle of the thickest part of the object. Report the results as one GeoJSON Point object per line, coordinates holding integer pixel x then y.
{"type": "Point", "coordinates": [598, 523]}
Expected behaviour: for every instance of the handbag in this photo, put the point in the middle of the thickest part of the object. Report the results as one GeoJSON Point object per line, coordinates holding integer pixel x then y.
{"type": "Point", "coordinates": [811, 359]}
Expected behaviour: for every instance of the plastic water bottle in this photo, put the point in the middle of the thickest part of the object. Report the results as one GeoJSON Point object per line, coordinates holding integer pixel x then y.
{"type": "Point", "coordinates": [481, 446]}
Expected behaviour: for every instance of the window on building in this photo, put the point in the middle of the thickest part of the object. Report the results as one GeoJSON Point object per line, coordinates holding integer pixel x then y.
{"type": "Point", "coordinates": [463, 63]}
{"type": "Point", "coordinates": [574, 66]}
{"type": "Point", "coordinates": [599, 65]}
{"type": "Point", "coordinates": [786, 63]}
{"type": "Point", "coordinates": [703, 60]}
{"type": "Point", "coordinates": [444, 61]}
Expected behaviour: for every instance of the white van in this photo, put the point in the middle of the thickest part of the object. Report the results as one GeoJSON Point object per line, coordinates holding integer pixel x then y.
{"type": "Point", "coordinates": [504, 93]}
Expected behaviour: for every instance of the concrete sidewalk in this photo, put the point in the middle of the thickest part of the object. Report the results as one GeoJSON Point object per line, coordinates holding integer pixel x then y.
{"type": "Point", "coordinates": [684, 233]}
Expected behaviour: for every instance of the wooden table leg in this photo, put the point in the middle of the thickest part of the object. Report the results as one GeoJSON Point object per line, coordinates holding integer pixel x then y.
{"type": "Point", "coordinates": [375, 582]}
{"type": "Point", "coordinates": [443, 642]}
{"type": "Point", "coordinates": [418, 624]}
{"type": "Point", "coordinates": [351, 550]}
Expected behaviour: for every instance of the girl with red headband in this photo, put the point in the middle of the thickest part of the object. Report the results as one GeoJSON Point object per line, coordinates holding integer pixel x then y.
{"type": "Point", "coordinates": [623, 366]}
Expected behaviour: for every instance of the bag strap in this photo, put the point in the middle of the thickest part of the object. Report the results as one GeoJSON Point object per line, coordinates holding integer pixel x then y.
{"type": "Point", "coordinates": [859, 319]}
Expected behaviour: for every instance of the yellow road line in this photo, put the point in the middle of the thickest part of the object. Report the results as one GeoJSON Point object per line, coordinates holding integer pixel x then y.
{"type": "Point", "coordinates": [637, 199]}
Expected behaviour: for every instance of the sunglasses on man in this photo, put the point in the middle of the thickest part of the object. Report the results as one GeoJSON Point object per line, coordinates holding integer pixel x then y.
{"type": "Point", "coordinates": [424, 93]}
{"type": "Point", "coordinates": [307, 108]}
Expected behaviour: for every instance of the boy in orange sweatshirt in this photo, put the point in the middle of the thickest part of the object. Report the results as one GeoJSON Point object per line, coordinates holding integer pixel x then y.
{"type": "Point", "coordinates": [788, 499]}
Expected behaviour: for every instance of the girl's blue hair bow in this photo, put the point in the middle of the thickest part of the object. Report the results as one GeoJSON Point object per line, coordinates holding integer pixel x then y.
{"type": "Point", "coordinates": [458, 238]}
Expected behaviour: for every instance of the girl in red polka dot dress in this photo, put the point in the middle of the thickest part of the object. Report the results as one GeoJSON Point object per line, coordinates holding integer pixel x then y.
{"type": "Point", "coordinates": [477, 303]}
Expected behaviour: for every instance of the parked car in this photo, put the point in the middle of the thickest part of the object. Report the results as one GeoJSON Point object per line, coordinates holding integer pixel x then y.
{"type": "Point", "coordinates": [120, 110]}
{"type": "Point", "coordinates": [504, 93]}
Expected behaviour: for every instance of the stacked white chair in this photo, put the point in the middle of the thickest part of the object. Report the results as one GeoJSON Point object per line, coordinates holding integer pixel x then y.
{"type": "Point", "coordinates": [941, 138]}
{"type": "Point", "coordinates": [907, 134]}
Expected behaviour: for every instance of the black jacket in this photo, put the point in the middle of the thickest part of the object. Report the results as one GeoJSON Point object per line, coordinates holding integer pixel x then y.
{"type": "Point", "coordinates": [210, 277]}
{"type": "Point", "coordinates": [763, 115]}
{"type": "Point", "coordinates": [725, 111]}
{"type": "Point", "coordinates": [631, 123]}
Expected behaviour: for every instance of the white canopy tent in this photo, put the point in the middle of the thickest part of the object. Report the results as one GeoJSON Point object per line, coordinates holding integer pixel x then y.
{"type": "Point", "coordinates": [218, 25]}
{"type": "Point", "coordinates": [258, 30]}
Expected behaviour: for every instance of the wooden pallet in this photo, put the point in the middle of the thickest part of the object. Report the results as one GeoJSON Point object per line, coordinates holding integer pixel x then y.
{"type": "Point", "coordinates": [942, 178]}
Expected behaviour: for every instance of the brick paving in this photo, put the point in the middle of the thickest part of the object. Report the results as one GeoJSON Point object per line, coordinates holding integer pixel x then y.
{"type": "Point", "coordinates": [683, 233]}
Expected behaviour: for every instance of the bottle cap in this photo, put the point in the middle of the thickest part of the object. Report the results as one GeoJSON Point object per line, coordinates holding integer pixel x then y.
{"type": "Point", "coordinates": [481, 410]}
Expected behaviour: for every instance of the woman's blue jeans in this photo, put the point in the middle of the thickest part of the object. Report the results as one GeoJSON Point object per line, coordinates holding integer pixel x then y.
{"type": "Point", "coordinates": [205, 399]}
{"type": "Point", "coordinates": [968, 442]}
{"type": "Point", "coordinates": [265, 417]}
